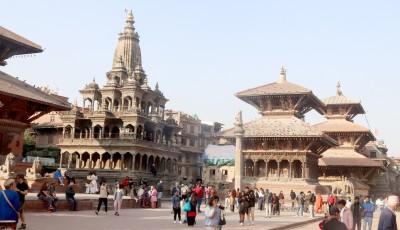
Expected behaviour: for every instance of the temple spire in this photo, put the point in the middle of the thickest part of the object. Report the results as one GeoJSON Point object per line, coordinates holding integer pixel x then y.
{"type": "Point", "coordinates": [282, 76]}
{"type": "Point", "coordinates": [338, 90]}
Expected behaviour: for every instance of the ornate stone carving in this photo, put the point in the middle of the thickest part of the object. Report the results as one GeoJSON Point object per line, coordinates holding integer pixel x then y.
{"type": "Point", "coordinates": [34, 171]}
{"type": "Point", "coordinates": [7, 170]}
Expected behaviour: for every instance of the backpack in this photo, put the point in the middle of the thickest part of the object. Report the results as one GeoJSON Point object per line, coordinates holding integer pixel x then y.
{"type": "Point", "coordinates": [312, 199]}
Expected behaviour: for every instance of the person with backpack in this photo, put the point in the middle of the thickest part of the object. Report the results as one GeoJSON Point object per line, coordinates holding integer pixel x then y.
{"type": "Point", "coordinates": [311, 202]}
{"type": "Point", "coordinates": [300, 204]}
{"type": "Point", "coordinates": [292, 197]}
{"type": "Point", "coordinates": [252, 204]}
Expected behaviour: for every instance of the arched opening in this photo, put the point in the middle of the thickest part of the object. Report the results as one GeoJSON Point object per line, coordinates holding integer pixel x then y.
{"type": "Point", "coordinates": [74, 161]}
{"type": "Point", "coordinates": [149, 131]}
{"type": "Point", "coordinates": [116, 105]}
{"type": "Point", "coordinates": [157, 162]}
{"type": "Point", "coordinates": [163, 162]}
{"type": "Point", "coordinates": [139, 132]}
{"type": "Point", "coordinates": [158, 136]}
{"type": "Point", "coordinates": [96, 161]}
{"type": "Point", "coordinates": [85, 160]}
{"type": "Point", "coordinates": [297, 169]}
{"type": "Point", "coordinates": [260, 164]}
{"type": "Point", "coordinates": [68, 131]}
{"type": "Point", "coordinates": [106, 161]}
{"type": "Point", "coordinates": [249, 168]}
{"type": "Point", "coordinates": [127, 165]}
{"type": "Point", "coordinates": [272, 168]}
{"type": "Point", "coordinates": [106, 132]}
{"type": "Point", "coordinates": [137, 161]}
{"type": "Point", "coordinates": [129, 131]}
{"type": "Point", "coordinates": [96, 105]}
{"type": "Point", "coordinates": [151, 161]}
{"type": "Point", "coordinates": [127, 103]}
{"type": "Point", "coordinates": [169, 165]}
{"type": "Point", "coordinates": [144, 163]}
{"type": "Point", "coordinates": [97, 132]}
{"type": "Point", "coordinates": [107, 103]}
{"type": "Point", "coordinates": [116, 158]}
{"type": "Point", "coordinates": [284, 169]}
{"type": "Point", "coordinates": [88, 104]}
{"type": "Point", "coordinates": [115, 132]}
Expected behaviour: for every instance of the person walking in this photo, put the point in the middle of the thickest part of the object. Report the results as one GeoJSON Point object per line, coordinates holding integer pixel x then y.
{"type": "Point", "coordinates": [22, 190]}
{"type": "Point", "coordinates": [311, 202]}
{"type": "Point", "coordinates": [331, 200]}
{"type": "Point", "coordinates": [252, 205]}
{"type": "Point", "coordinates": [9, 203]}
{"type": "Point", "coordinates": [268, 204]}
{"type": "Point", "coordinates": [300, 204]}
{"type": "Point", "coordinates": [191, 215]}
{"type": "Point", "coordinates": [176, 206]}
{"type": "Point", "coordinates": [346, 216]}
{"type": "Point", "coordinates": [318, 203]}
{"type": "Point", "coordinates": [292, 197]}
{"type": "Point", "coordinates": [103, 197]}
{"type": "Point", "coordinates": [232, 198]}
{"type": "Point", "coordinates": [358, 212]}
{"type": "Point", "coordinates": [213, 214]}
{"type": "Point", "coordinates": [160, 190]}
{"type": "Point", "coordinates": [243, 207]}
{"type": "Point", "coordinates": [387, 220]}
{"type": "Point", "coordinates": [369, 209]}
{"type": "Point", "coordinates": [261, 196]}
{"type": "Point", "coordinates": [199, 195]}
{"type": "Point", "coordinates": [118, 197]}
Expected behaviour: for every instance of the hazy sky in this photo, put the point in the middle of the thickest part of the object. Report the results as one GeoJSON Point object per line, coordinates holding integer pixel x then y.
{"type": "Point", "coordinates": [202, 52]}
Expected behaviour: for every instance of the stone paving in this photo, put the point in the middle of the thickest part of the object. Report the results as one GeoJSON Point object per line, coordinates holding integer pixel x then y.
{"type": "Point", "coordinates": [148, 219]}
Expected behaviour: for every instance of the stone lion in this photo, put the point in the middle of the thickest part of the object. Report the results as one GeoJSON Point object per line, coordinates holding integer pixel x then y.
{"type": "Point", "coordinates": [34, 171]}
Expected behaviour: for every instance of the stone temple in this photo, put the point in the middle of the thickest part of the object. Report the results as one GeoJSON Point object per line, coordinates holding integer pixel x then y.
{"type": "Point", "coordinates": [121, 129]}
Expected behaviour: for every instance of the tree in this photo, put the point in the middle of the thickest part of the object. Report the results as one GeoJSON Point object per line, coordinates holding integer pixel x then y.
{"type": "Point", "coordinates": [29, 139]}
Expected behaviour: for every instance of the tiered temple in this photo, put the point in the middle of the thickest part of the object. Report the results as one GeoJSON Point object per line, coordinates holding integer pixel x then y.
{"type": "Point", "coordinates": [122, 124]}
{"type": "Point", "coordinates": [280, 147]}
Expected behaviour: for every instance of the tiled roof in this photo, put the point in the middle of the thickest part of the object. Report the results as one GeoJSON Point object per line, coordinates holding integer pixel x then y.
{"type": "Point", "coordinates": [345, 157]}
{"type": "Point", "coordinates": [339, 99]}
{"type": "Point", "coordinates": [14, 87]}
{"type": "Point", "coordinates": [340, 125]}
{"type": "Point", "coordinates": [9, 35]}
{"type": "Point", "coordinates": [277, 127]}
{"type": "Point", "coordinates": [275, 89]}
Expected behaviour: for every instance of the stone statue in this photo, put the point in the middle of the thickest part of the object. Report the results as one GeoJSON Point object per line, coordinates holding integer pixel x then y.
{"type": "Point", "coordinates": [7, 170]}
{"type": "Point", "coordinates": [238, 123]}
{"type": "Point", "coordinates": [34, 171]}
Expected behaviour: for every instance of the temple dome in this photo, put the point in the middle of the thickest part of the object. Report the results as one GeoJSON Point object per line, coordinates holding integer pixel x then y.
{"type": "Point", "coordinates": [92, 85]}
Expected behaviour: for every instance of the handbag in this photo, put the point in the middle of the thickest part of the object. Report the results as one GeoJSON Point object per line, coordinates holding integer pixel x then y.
{"type": "Point", "coordinates": [187, 207]}
{"type": "Point", "coordinates": [222, 220]}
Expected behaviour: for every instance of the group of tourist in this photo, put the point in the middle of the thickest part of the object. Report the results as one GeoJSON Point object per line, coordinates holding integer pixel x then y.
{"type": "Point", "coordinates": [359, 213]}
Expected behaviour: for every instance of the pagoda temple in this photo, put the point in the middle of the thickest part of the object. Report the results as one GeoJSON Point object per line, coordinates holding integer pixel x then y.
{"type": "Point", "coordinates": [121, 128]}
{"type": "Point", "coordinates": [280, 147]}
{"type": "Point", "coordinates": [344, 167]}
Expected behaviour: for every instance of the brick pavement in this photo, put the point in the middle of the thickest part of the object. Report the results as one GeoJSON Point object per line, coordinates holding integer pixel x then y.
{"type": "Point", "coordinates": [145, 219]}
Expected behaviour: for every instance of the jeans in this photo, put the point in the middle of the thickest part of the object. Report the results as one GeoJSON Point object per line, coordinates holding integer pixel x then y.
{"type": "Point", "coordinates": [268, 209]}
{"type": "Point", "coordinates": [117, 205]}
{"type": "Point", "coordinates": [237, 203]}
{"type": "Point", "coordinates": [365, 221]}
{"type": "Point", "coordinates": [300, 210]}
{"type": "Point", "coordinates": [251, 214]}
{"type": "Point", "coordinates": [159, 195]}
{"type": "Point", "coordinates": [72, 203]}
{"type": "Point", "coordinates": [357, 221]}
{"type": "Point", "coordinates": [227, 202]}
{"type": "Point", "coordinates": [198, 204]}
{"type": "Point", "coordinates": [311, 209]}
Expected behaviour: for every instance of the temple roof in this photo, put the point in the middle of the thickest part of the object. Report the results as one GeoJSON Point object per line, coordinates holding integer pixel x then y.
{"type": "Point", "coordinates": [275, 88]}
{"type": "Point", "coordinates": [345, 157]}
{"type": "Point", "coordinates": [340, 125]}
{"type": "Point", "coordinates": [17, 39]}
{"type": "Point", "coordinates": [278, 127]}
{"type": "Point", "coordinates": [339, 99]}
{"type": "Point", "coordinates": [16, 88]}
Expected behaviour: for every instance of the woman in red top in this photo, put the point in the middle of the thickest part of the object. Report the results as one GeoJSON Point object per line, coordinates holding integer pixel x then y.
{"type": "Point", "coordinates": [153, 198]}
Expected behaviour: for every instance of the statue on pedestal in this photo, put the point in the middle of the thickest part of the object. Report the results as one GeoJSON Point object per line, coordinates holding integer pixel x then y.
{"type": "Point", "coordinates": [7, 170]}
{"type": "Point", "coordinates": [34, 171]}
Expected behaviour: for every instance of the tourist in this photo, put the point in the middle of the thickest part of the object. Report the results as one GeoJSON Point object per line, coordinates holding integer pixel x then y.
{"type": "Point", "coordinates": [213, 191]}
{"type": "Point", "coordinates": [45, 196]}
{"type": "Point", "coordinates": [331, 200]}
{"type": "Point", "coordinates": [153, 170]}
{"type": "Point", "coordinates": [191, 215]}
{"type": "Point", "coordinates": [22, 190]}
{"type": "Point", "coordinates": [346, 216]}
{"type": "Point", "coordinates": [58, 175]}
{"type": "Point", "coordinates": [52, 192]}
{"type": "Point", "coordinates": [70, 197]}
{"type": "Point", "coordinates": [118, 197]}
{"type": "Point", "coordinates": [125, 185]}
{"type": "Point", "coordinates": [237, 198]}
{"type": "Point", "coordinates": [94, 189]}
{"type": "Point", "coordinates": [268, 204]}
{"type": "Point", "coordinates": [176, 206]}
{"type": "Point", "coordinates": [311, 202]}
{"type": "Point", "coordinates": [358, 211]}
{"type": "Point", "coordinates": [227, 197]}
{"type": "Point", "coordinates": [88, 183]}
{"type": "Point", "coordinates": [9, 203]}
{"type": "Point", "coordinates": [243, 207]}
{"type": "Point", "coordinates": [252, 204]}
{"type": "Point", "coordinates": [213, 214]}
{"type": "Point", "coordinates": [153, 197]}
{"type": "Point", "coordinates": [261, 195]}
{"type": "Point", "coordinates": [318, 203]}
{"type": "Point", "coordinates": [207, 192]}
{"type": "Point", "coordinates": [300, 204]}
{"type": "Point", "coordinates": [368, 213]}
{"type": "Point", "coordinates": [232, 197]}
{"type": "Point", "coordinates": [292, 197]}
{"type": "Point", "coordinates": [103, 197]}
{"type": "Point", "coordinates": [199, 195]}
{"type": "Point", "coordinates": [281, 198]}
{"type": "Point", "coordinates": [380, 204]}
{"type": "Point", "coordinates": [333, 223]}
{"type": "Point", "coordinates": [173, 190]}
{"type": "Point", "coordinates": [348, 202]}
{"type": "Point", "coordinates": [160, 190]}
{"type": "Point", "coordinates": [321, 224]}
{"type": "Point", "coordinates": [69, 177]}
{"type": "Point", "coordinates": [387, 220]}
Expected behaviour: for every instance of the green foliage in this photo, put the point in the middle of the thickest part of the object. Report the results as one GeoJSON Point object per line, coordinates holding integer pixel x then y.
{"type": "Point", "coordinates": [29, 139]}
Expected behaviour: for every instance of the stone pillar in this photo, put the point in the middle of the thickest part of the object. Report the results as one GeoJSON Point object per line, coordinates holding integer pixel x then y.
{"type": "Point", "coordinates": [111, 161]}
{"type": "Point", "coordinates": [290, 169]}
{"type": "Point", "coordinates": [255, 168]}
{"type": "Point", "coordinates": [121, 165]}
{"type": "Point", "coordinates": [80, 160]}
{"type": "Point", "coordinates": [303, 169]}
{"type": "Point", "coordinates": [61, 157]}
{"type": "Point", "coordinates": [278, 174]}
{"type": "Point", "coordinates": [133, 162]}
{"type": "Point", "coordinates": [90, 161]}
{"type": "Point", "coordinates": [140, 163]}
{"type": "Point", "coordinates": [266, 169]}
{"type": "Point", "coordinates": [239, 133]}
{"type": "Point", "coordinates": [101, 161]}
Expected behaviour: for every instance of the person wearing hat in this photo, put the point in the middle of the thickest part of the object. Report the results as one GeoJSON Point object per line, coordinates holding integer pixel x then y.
{"type": "Point", "coordinates": [333, 223]}
{"type": "Point", "coordinates": [9, 203]}
{"type": "Point", "coordinates": [387, 220]}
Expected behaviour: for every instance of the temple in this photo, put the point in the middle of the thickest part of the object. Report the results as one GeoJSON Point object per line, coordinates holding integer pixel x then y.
{"type": "Point", "coordinates": [280, 147]}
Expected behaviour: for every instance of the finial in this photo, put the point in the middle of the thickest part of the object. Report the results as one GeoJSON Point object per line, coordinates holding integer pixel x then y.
{"type": "Point", "coordinates": [76, 102]}
{"type": "Point", "coordinates": [130, 18]}
{"type": "Point", "coordinates": [338, 91]}
{"type": "Point", "coordinates": [157, 86]}
{"type": "Point", "coordinates": [282, 76]}
{"type": "Point", "coordinates": [94, 80]}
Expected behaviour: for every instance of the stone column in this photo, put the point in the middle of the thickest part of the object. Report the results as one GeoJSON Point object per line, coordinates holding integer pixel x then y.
{"type": "Point", "coordinates": [266, 169]}
{"type": "Point", "coordinates": [80, 160]}
{"type": "Point", "coordinates": [121, 165]}
{"type": "Point", "coordinates": [303, 169]}
{"type": "Point", "coordinates": [101, 161]}
{"type": "Point", "coordinates": [90, 161]}
{"type": "Point", "coordinates": [278, 174]}
{"type": "Point", "coordinates": [140, 163]}
{"type": "Point", "coordinates": [239, 133]}
{"type": "Point", "coordinates": [111, 161]}
{"type": "Point", "coordinates": [61, 156]}
{"type": "Point", "coordinates": [254, 168]}
{"type": "Point", "coordinates": [133, 162]}
{"type": "Point", "coordinates": [290, 169]}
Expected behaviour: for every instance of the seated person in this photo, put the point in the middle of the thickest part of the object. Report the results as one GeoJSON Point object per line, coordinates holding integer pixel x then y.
{"type": "Point", "coordinates": [69, 177]}
{"type": "Point", "coordinates": [69, 195]}
{"type": "Point", "coordinates": [44, 195]}
{"type": "Point", "coordinates": [58, 175]}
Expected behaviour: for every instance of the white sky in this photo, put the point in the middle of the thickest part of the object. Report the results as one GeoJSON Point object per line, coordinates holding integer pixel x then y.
{"type": "Point", "coordinates": [202, 52]}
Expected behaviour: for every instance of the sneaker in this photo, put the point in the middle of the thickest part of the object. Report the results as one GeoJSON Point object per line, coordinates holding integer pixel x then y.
{"type": "Point", "coordinates": [180, 222]}
{"type": "Point", "coordinates": [174, 221]}
{"type": "Point", "coordinates": [252, 223]}
{"type": "Point", "coordinates": [97, 213]}
{"type": "Point", "coordinates": [241, 224]}
{"type": "Point", "coordinates": [23, 226]}
{"type": "Point", "coordinates": [117, 214]}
